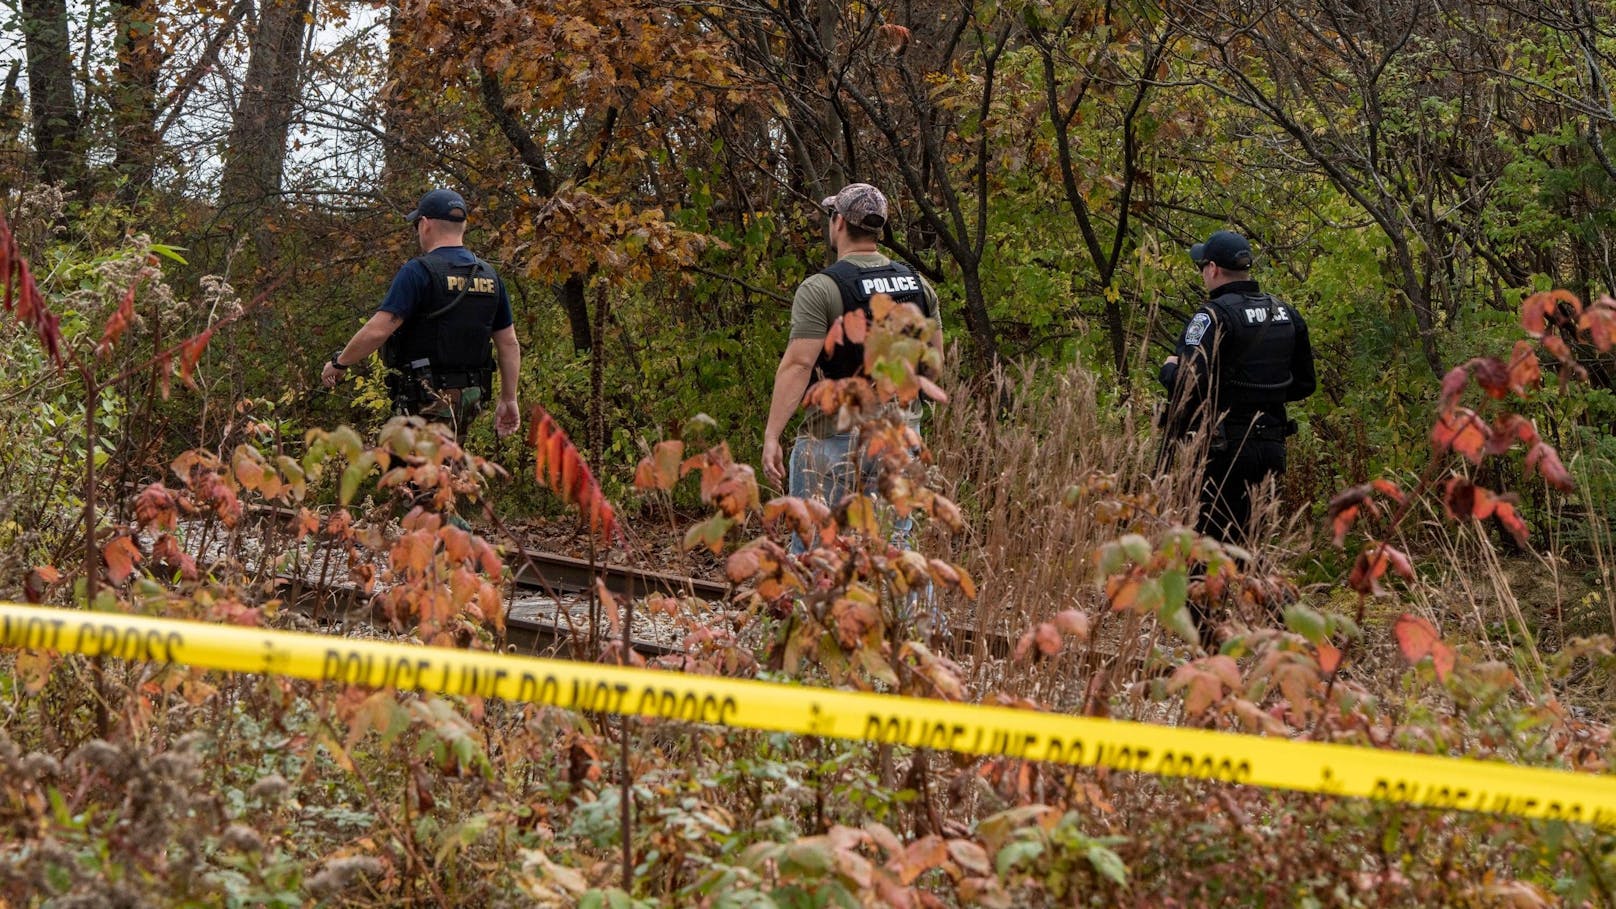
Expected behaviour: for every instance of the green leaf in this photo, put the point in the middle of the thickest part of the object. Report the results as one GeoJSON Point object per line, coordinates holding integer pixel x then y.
{"type": "Point", "coordinates": [1306, 622]}
{"type": "Point", "coordinates": [1108, 864]}
{"type": "Point", "coordinates": [1136, 547]}
{"type": "Point", "coordinates": [812, 856]}
{"type": "Point", "coordinates": [169, 252]}
{"type": "Point", "coordinates": [353, 475]}
{"type": "Point", "coordinates": [1015, 853]}
{"type": "Point", "coordinates": [709, 533]}
{"type": "Point", "coordinates": [1178, 620]}
{"type": "Point", "coordinates": [1175, 589]}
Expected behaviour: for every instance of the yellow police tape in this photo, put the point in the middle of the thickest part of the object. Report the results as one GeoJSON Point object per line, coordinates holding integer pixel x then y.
{"type": "Point", "coordinates": [1337, 770]}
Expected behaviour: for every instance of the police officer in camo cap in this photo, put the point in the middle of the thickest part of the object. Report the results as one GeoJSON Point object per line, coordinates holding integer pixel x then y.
{"type": "Point", "coordinates": [823, 460]}
{"type": "Point", "coordinates": [1242, 356]}
{"type": "Point", "coordinates": [442, 319]}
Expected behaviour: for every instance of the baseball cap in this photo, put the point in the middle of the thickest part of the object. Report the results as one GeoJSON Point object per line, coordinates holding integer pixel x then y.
{"type": "Point", "coordinates": [859, 203]}
{"type": "Point", "coordinates": [440, 205]}
{"type": "Point", "coordinates": [1224, 248]}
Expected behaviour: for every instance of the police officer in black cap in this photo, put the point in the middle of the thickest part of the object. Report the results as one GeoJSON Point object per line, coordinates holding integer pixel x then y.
{"type": "Point", "coordinates": [444, 315]}
{"type": "Point", "coordinates": [1241, 358]}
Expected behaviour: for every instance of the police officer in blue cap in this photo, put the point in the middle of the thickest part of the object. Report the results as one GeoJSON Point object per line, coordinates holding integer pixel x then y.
{"type": "Point", "coordinates": [443, 318]}
{"type": "Point", "coordinates": [1241, 358]}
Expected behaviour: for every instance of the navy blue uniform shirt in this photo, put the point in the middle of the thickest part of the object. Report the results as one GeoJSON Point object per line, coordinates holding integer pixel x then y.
{"type": "Point", "coordinates": [412, 286]}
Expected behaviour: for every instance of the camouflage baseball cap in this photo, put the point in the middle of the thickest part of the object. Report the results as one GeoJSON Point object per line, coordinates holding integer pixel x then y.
{"type": "Point", "coordinates": [859, 203]}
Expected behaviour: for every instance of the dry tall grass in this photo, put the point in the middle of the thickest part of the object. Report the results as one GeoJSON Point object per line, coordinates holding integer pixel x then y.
{"type": "Point", "coordinates": [1008, 450]}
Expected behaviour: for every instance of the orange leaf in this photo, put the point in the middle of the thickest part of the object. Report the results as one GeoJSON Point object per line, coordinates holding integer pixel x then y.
{"type": "Point", "coordinates": [1329, 657]}
{"type": "Point", "coordinates": [121, 556]}
{"type": "Point", "coordinates": [1073, 623]}
{"type": "Point", "coordinates": [1462, 431]}
{"type": "Point", "coordinates": [1048, 639]}
{"type": "Point", "coordinates": [118, 322]}
{"type": "Point", "coordinates": [1542, 309]}
{"type": "Point", "coordinates": [39, 579]}
{"type": "Point", "coordinates": [1524, 371]}
{"type": "Point", "coordinates": [191, 354]}
{"type": "Point", "coordinates": [559, 465]}
{"type": "Point", "coordinates": [1465, 500]}
{"type": "Point", "coordinates": [1453, 385]}
{"type": "Point", "coordinates": [1388, 489]}
{"type": "Point", "coordinates": [1545, 461]}
{"type": "Point", "coordinates": [156, 507]}
{"type": "Point", "coordinates": [1418, 638]}
{"type": "Point", "coordinates": [1492, 375]}
{"type": "Point", "coordinates": [1511, 521]}
{"type": "Point", "coordinates": [1599, 321]}
{"type": "Point", "coordinates": [1509, 429]}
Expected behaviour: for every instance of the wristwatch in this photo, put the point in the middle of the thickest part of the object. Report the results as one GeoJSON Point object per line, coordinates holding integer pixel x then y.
{"type": "Point", "coordinates": [336, 363]}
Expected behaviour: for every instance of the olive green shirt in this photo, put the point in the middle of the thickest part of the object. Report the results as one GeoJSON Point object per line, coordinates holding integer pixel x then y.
{"type": "Point", "coordinates": [817, 305]}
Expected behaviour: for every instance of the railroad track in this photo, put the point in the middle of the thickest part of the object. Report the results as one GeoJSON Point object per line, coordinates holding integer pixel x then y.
{"type": "Point", "coordinates": [547, 584]}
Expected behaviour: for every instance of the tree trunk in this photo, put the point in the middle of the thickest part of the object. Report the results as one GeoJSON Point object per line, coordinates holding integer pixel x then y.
{"type": "Point", "coordinates": [50, 90]}
{"type": "Point", "coordinates": [134, 98]}
{"type": "Point", "coordinates": [396, 162]}
{"type": "Point", "coordinates": [571, 296]}
{"type": "Point", "coordinates": [984, 344]}
{"type": "Point", "coordinates": [255, 152]}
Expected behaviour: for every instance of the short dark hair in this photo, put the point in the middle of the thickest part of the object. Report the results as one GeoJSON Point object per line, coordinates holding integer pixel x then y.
{"type": "Point", "coordinates": [858, 231]}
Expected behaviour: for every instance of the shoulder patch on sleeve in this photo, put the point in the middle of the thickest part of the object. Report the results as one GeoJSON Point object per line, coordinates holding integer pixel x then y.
{"type": "Point", "coordinates": [1197, 329]}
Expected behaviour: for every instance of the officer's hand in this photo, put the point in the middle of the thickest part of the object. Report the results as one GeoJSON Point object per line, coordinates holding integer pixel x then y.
{"type": "Point", "coordinates": [773, 463]}
{"type": "Point", "coordinates": [1171, 361]}
{"type": "Point", "coordinates": [507, 418]}
{"type": "Point", "coordinates": [330, 375]}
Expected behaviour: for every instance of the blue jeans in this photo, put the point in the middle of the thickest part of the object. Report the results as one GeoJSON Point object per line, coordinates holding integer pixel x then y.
{"type": "Point", "coordinates": [824, 469]}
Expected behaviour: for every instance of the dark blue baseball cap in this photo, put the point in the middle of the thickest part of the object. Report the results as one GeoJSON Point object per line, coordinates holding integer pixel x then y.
{"type": "Point", "coordinates": [1224, 248]}
{"type": "Point", "coordinates": [439, 205]}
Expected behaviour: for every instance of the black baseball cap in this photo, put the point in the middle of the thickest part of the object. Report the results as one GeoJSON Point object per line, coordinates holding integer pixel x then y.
{"type": "Point", "coordinates": [1224, 248]}
{"type": "Point", "coordinates": [439, 205]}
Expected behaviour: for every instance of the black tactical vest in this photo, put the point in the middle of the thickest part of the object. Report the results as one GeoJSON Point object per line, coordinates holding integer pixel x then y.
{"type": "Point", "coordinates": [857, 286]}
{"type": "Point", "coordinates": [451, 332]}
{"type": "Point", "coordinates": [1254, 368]}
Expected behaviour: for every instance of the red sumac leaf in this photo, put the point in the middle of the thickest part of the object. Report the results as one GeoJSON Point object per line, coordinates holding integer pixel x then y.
{"type": "Point", "coordinates": [1023, 646]}
{"type": "Point", "coordinates": [1542, 309]}
{"type": "Point", "coordinates": [1329, 657]}
{"type": "Point", "coordinates": [1509, 429]}
{"type": "Point", "coordinates": [1400, 564]}
{"type": "Point", "coordinates": [1556, 345]}
{"type": "Point", "coordinates": [1418, 639]}
{"type": "Point", "coordinates": [855, 326]}
{"type": "Point", "coordinates": [1511, 521]}
{"type": "Point", "coordinates": [38, 581]}
{"type": "Point", "coordinates": [1524, 372]}
{"type": "Point", "coordinates": [1460, 430]}
{"type": "Point", "coordinates": [1048, 639]}
{"type": "Point", "coordinates": [157, 507]}
{"type": "Point", "coordinates": [1492, 375]}
{"type": "Point", "coordinates": [191, 354]}
{"type": "Point", "coordinates": [1453, 385]}
{"type": "Point", "coordinates": [559, 465]}
{"type": "Point", "coordinates": [1341, 523]}
{"type": "Point", "coordinates": [1072, 623]}
{"type": "Point", "coordinates": [1599, 321]}
{"type": "Point", "coordinates": [1545, 461]}
{"type": "Point", "coordinates": [118, 322]}
{"type": "Point", "coordinates": [1389, 489]}
{"type": "Point", "coordinates": [1465, 500]}
{"type": "Point", "coordinates": [121, 556]}
{"type": "Point", "coordinates": [742, 565]}
{"type": "Point", "coordinates": [1368, 569]}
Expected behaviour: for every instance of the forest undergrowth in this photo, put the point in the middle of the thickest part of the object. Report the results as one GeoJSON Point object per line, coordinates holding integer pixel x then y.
{"type": "Point", "coordinates": [1052, 571]}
